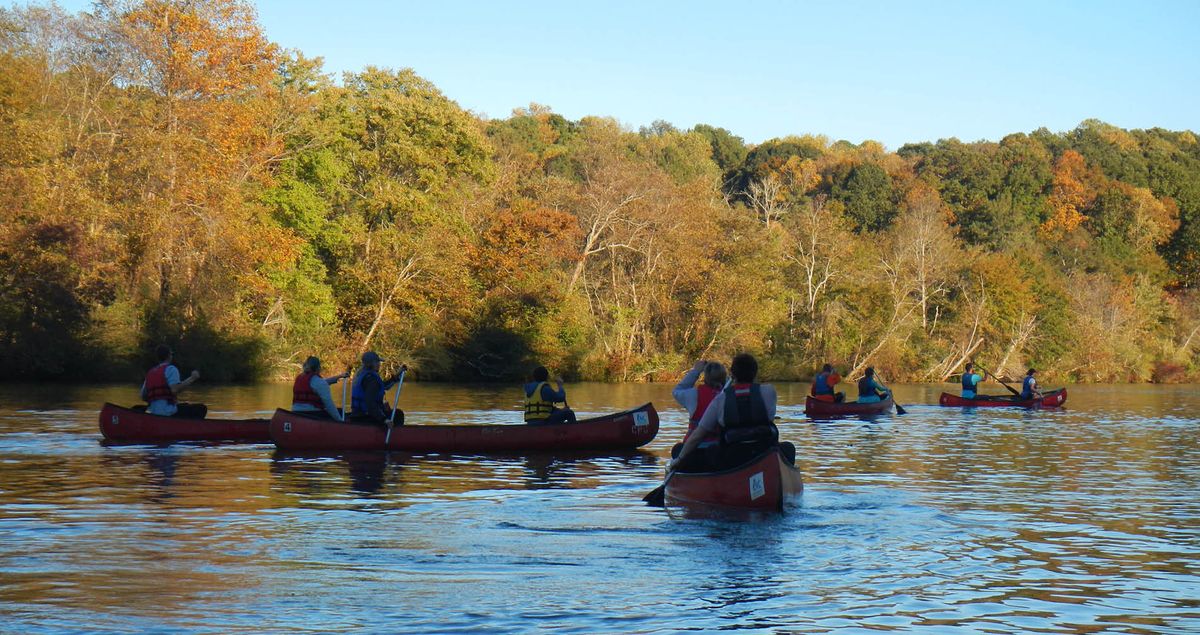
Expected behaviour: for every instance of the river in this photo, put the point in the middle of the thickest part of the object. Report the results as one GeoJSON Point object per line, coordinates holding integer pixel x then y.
{"type": "Point", "coordinates": [1079, 520]}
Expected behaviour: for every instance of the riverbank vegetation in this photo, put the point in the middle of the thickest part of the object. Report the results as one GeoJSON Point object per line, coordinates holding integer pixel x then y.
{"type": "Point", "coordinates": [169, 174]}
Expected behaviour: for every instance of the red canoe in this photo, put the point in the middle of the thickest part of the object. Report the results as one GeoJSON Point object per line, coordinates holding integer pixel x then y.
{"type": "Point", "coordinates": [133, 426]}
{"type": "Point", "coordinates": [764, 483]}
{"type": "Point", "coordinates": [1052, 399]}
{"type": "Point", "coordinates": [816, 408]}
{"type": "Point", "coordinates": [623, 430]}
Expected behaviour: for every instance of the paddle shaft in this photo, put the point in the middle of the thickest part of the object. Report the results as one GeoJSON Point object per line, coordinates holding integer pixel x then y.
{"type": "Point", "coordinates": [658, 496]}
{"type": "Point", "coordinates": [345, 386]}
{"type": "Point", "coordinates": [395, 403]}
{"type": "Point", "coordinates": [993, 375]}
{"type": "Point", "coordinates": [899, 409]}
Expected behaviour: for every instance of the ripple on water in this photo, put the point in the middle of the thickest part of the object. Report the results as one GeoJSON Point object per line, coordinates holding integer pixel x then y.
{"type": "Point", "coordinates": [965, 520]}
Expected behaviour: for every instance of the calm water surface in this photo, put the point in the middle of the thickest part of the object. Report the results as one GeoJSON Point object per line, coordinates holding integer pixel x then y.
{"type": "Point", "coordinates": [1074, 521]}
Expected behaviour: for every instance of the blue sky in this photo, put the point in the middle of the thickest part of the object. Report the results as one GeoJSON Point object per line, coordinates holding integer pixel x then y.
{"type": "Point", "coordinates": [891, 71]}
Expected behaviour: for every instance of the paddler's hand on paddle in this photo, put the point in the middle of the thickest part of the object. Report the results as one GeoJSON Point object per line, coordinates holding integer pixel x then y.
{"type": "Point", "coordinates": [195, 375]}
{"type": "Point", "coordinates": [699, 365]}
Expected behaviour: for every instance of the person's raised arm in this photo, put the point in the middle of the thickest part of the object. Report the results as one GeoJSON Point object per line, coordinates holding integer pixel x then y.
{"type": "Point", "coordinates": [177, 387]}
{"type": "Point", "coordinates": [685, 391]}
{"type": "Point", "coordinates": [329, 381]}
{"type": "Point", "coordinates": [395, 378]}
{"type": "Point", "coordinates": [554, 396]}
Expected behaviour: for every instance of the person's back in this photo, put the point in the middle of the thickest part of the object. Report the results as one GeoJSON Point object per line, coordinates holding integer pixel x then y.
{"type": "Point", "coordinates": [160, 399]}
{"type": "Point", "coordinates": [869, 390]}
{"type": "Point", "coordinates": [368, 390]}
{"type": "Point", "coordinates": [823, 383]}
{"type": "Point", "coordinates": [541, 400]}
{"type": "Point", "coordinates": [747, 419]}
{"type": "Point", "coordinates": [162, 385]}
{"type": "Point", "coordinates": [970, 381]}
{"type": "Point", "coordinates": [696, 399]}
{"type": "Point", "coordinates": [310, 391]}
{"type": "Point", "coordinates": [1029, 387]}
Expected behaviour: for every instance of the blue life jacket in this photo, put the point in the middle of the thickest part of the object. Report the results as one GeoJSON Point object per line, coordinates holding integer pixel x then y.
{"type": "Point", "coordinates": [359, 401]}
{"type": "Point", "coordinates": [969, 382]}
{"type": "Point", "coordinates": [821, 384]}
{"type": "Point", "coordinates": [1027, 387]}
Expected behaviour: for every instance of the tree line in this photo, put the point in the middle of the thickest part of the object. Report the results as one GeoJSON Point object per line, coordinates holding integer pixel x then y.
{"type": "Point", "coordinates": [168, 174]}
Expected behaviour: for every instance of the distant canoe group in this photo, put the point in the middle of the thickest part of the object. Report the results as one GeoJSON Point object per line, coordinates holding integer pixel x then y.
{"type": "Point", "coordinates": [731, 455]}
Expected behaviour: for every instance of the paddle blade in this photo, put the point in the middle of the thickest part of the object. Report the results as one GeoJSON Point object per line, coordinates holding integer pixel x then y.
{"type": "Point", "coordinates": [657, 497]}
{"type": "Point", "coordinates": [900, 410]}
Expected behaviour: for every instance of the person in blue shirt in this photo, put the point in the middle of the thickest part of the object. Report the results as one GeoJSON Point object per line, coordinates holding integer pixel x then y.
{"type": "Point", "coordinates": [870, 390]}
{"type": "Point", "coordinates": [823, 383]}
{"type": "Point", "coordinates": [541, 400]}
{"type": "Point", "coordinates": [970, 381]}
{"type": "Point", "coordinates": [1029, 386]}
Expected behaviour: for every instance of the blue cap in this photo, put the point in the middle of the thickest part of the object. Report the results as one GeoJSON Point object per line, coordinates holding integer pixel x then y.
{"type": "Point", "coordinates": [370, 357]}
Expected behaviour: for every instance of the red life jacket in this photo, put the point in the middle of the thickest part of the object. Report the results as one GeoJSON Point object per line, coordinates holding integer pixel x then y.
{"type": "Point", "coordinates": [156, 385]}
{"type": "Point", "coordinates": [704, 396]}
{"type": "Point", "coordinates": [302, 391]}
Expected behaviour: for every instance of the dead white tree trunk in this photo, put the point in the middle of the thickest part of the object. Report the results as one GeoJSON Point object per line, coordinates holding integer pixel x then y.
{"type": "Point", "coordinates": [406, 273]}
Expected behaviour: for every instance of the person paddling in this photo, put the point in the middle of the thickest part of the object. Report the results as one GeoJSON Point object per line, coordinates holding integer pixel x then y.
{"type": "Point", "coordinates": [696, 399]}
{"type": "Point", "coordinates": [823, 383]}
{"type": "Point", "coordinates": [1029, 386]}
{"type": "Point", "coordinates": [310, 391]}
{"type": "Point", "coordinates": [541, 400]}
{"type": "Point", "coordinates": [162, 386]}
{"type": "Point", "coordinates": [743, 417]}
{"type": "Point", "coordinates": [366, 394]}
{"type": "Point", "coordinates": [970, 381]}
{"type": "Point", "coordinates": [869, 388]}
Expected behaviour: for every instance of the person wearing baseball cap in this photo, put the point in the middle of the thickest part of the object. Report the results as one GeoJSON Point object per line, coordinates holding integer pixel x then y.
{"type": "Point", "coordinates": [310, 391]}
{"type": "Point", "coordinates": [366, 394]}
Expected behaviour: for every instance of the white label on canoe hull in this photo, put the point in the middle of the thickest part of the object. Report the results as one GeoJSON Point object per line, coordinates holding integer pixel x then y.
{"type": "Point", "coordinates": [757, 489]}
{"type": "Point", "coordinates": [115, 420]}
{"type": "Point", "coordinates": [641, 419]}
{"type": "Point", "coordinates": [287, 426]}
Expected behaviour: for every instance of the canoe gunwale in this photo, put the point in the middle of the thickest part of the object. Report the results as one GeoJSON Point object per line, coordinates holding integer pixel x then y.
{"type": "Point", "coordinates": [624, 430]}
{"type": "Point", "coordinates": [1049, 399]}
{"type": "Point", "coordinates": [141, 427]}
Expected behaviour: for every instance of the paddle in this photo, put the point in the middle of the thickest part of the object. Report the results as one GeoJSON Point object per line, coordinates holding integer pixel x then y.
{"type": "Point", "coordinates": [395, 402]}
{"type": "Point", "coordinates": [345, 386]}
{"type": "Point", "coordinates": [899, 409]}
{"type": "Point", "coordinates": [658, 496]}
{"type": "Point", "coordinates": [1010, 388]}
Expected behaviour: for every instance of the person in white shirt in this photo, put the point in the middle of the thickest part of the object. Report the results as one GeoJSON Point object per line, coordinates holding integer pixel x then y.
{"type": "Point", "coordinates": [696, 399]}
{"type": "Point", "coordinates": [310, 391]}
{"type": "Point", "coordinates": [163, 385]}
